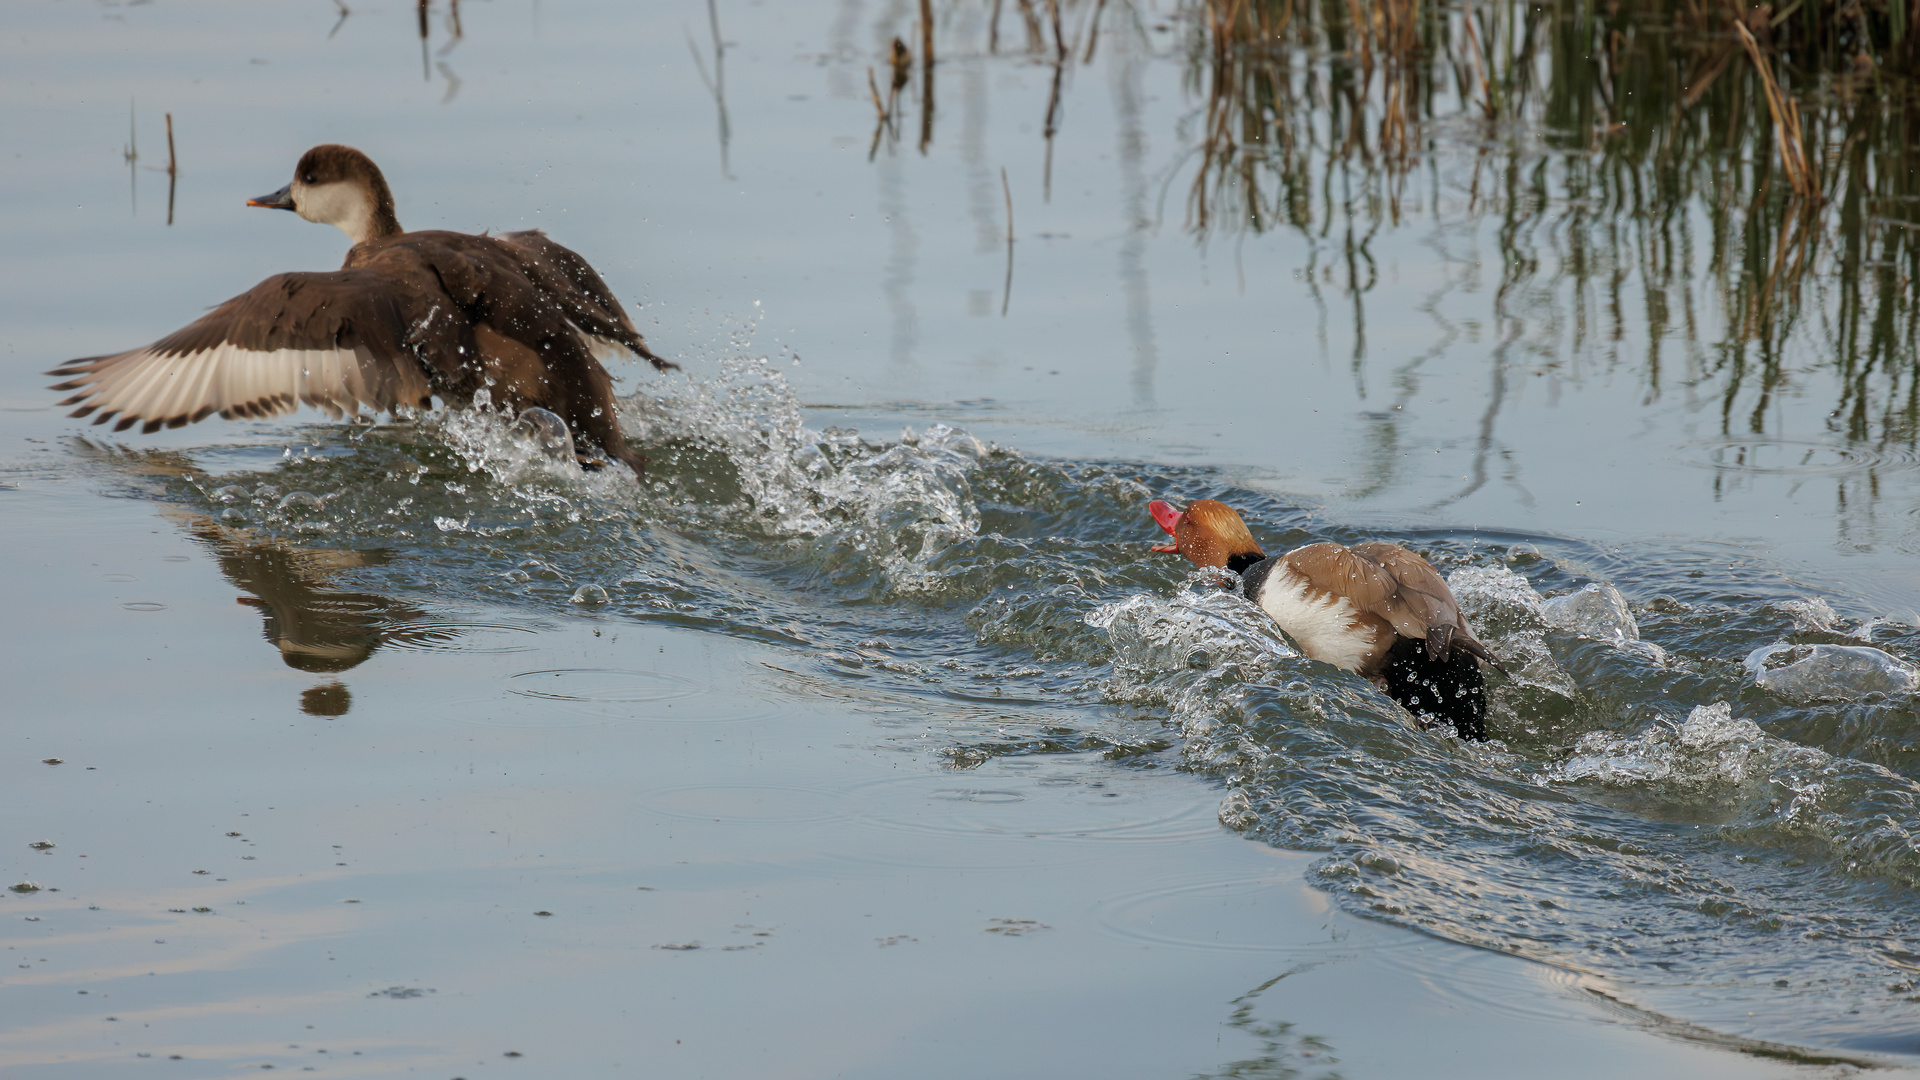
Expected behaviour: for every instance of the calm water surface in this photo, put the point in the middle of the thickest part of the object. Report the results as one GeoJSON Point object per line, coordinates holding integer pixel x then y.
{"type": "Point", "coordinates": [867, 737]}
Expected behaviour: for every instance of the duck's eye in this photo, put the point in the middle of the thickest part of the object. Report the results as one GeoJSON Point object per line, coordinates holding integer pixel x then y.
{"type": "Point", "coordinates": [307, 179]}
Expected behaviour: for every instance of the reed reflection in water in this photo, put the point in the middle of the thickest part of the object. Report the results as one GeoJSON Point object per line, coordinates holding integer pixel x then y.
{"type": "Point", "coordinates": [1714, 199]}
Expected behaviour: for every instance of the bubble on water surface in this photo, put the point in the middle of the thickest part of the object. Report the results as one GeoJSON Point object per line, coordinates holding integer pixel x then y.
{"type": "Point", "coordinates": [589, 594]}
{"type": "Point", "coordinates": [1805, 673]}
{"type": "Point", "coordinates": [300, 500]}
{"type": "Point", "coordinates": [544, 430]}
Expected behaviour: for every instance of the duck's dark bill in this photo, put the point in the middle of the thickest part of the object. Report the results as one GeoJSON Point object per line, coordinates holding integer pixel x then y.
{"type": "Point", "coordinates": [1169, 519]}
{"type": "Point", "coordinates": [279, 200]}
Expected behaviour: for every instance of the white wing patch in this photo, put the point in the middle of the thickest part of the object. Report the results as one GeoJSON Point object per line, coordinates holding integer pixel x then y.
{"type": "Point", "coordinates": [603, 349]}
{"type": "Point", "coordinates": [158, 390]}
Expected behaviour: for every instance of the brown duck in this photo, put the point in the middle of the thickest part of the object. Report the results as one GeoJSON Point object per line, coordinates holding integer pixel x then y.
{"type": "Point", "coordinates": [1376, 609]}
{"type": "Point", "coordinates": [408, 316]}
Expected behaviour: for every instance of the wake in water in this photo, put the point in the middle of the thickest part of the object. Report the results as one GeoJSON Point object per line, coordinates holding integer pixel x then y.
{"type": "Point", "coordinates": [1653, 812]}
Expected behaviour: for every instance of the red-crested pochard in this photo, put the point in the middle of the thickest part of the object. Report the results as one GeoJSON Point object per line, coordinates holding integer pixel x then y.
{"type": "Point", "coordinates": [409, 315]}
{"type": "Point", "coordinates": [1375, 608]}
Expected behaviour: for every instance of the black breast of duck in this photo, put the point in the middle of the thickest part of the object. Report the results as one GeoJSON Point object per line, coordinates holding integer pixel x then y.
{"type": "Point", "coordinates": [410, 315]}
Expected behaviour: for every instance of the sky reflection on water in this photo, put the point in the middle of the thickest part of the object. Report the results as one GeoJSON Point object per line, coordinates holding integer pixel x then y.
{"type": "Point", "coordinates": [1468, 331]}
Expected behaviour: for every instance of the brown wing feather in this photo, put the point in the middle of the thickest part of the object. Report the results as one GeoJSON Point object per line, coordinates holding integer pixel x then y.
{"type": "Point", "coordinates": [586, 296]}
{"type": "Point", "coordinates": [333, 340]}
{"type": "Point", "coordinates": [1420, 601]}
{"type": "Point", "coordinates": [1423, 606]}
{"type": "Point", "coordinates": [1331, 568]}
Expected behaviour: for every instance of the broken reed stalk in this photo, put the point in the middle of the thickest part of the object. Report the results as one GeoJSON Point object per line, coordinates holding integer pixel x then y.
{"type": "Point", "coordinates": [1479, 65]}
{"type": "Point", "coordinates": [883, 119]}
{"type": "Point", "coordinates": [1786, 121]}
{"type": "Point", "coordinates": [1036, 37]}
{"type": "Point", "coordinates": [926, 75]}
{"type": "Point", "coordinates": [425, 72]}
{"type": "Point", "coordinates": [926, 33]}
{"type": "Point", "coordinates": [1061, 52]}
{"type": "Point", "coordinates": [1093, 30]}
{"type": "Point", "coordinates": [879, 107]}
{"type": "Point", "coordinates": [173, 169]}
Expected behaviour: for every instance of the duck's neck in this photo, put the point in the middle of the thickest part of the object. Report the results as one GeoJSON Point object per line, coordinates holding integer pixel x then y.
{"type": "Point", "coordinates": [363, 213]}
{"type": "Point", "coordinates": [1240, 563]}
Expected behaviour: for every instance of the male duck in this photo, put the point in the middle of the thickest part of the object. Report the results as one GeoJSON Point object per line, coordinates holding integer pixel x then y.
{"type": "Point", "coordinates": [409, 315]}
{"type": "Point", "coordinates": [1375, 608]}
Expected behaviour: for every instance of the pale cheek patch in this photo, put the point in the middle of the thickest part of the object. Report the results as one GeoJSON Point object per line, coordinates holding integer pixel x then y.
{"type": "Point", "coordinates": [346, 206]}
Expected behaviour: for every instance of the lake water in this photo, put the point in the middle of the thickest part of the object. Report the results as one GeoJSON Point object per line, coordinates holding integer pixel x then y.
{"type": "Point", "coordinates": [867, 737]}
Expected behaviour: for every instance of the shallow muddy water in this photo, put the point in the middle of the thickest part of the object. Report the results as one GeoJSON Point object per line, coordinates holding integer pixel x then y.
{"type": "Point", "coordinates": [867, 736]}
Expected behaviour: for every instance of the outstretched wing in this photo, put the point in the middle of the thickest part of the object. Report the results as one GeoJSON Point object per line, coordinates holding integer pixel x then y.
{"type": "Point", "coordinates": [583, 295]}
{"type": "Point", "coordinates": [333, 340]}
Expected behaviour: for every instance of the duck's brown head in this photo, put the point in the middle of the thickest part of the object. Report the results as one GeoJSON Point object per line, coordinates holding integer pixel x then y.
{"type": "Point", "coordinates": [338, 186]}
{"type": "Point", "coordinates": [1208, 533]}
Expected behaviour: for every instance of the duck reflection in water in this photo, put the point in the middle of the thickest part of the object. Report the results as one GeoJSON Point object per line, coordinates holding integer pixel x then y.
{"type": "Point", "coordinates": [316, 627]}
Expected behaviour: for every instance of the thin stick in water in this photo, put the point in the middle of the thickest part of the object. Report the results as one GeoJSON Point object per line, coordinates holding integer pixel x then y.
{"type": "Point", "coordinates": [132, 156]}
{"type": "Point", "coordinates": [926, 74]}
{"type": "Point", "coordinates": [173, 169]}
{"type": "Point", "coordinates": [1006, 295]}
{"type": "Point", "coordinates": [1093, 30]}
{"type": "Point", "coordinates": [1786, 120]}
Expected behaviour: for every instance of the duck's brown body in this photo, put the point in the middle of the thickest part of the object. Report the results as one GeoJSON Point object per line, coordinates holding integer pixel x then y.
{"type": "Point", "coordinates": [408, 316]}
{"type": "Point", "coordinates": [1376, 609]}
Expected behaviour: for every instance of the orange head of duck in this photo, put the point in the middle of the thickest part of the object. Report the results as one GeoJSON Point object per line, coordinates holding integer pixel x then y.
{"type": "Point", "coordinates": [1208, 533]}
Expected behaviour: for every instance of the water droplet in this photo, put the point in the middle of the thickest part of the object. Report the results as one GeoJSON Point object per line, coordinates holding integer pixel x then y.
{"type": "Point", "coordinates": [545, 430]}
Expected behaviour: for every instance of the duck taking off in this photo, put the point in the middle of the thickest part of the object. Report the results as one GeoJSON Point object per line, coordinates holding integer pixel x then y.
{"type": "Point", "coordinates": [409, 315]}
{"type": "Point", "coordinates": [1375, 608]}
